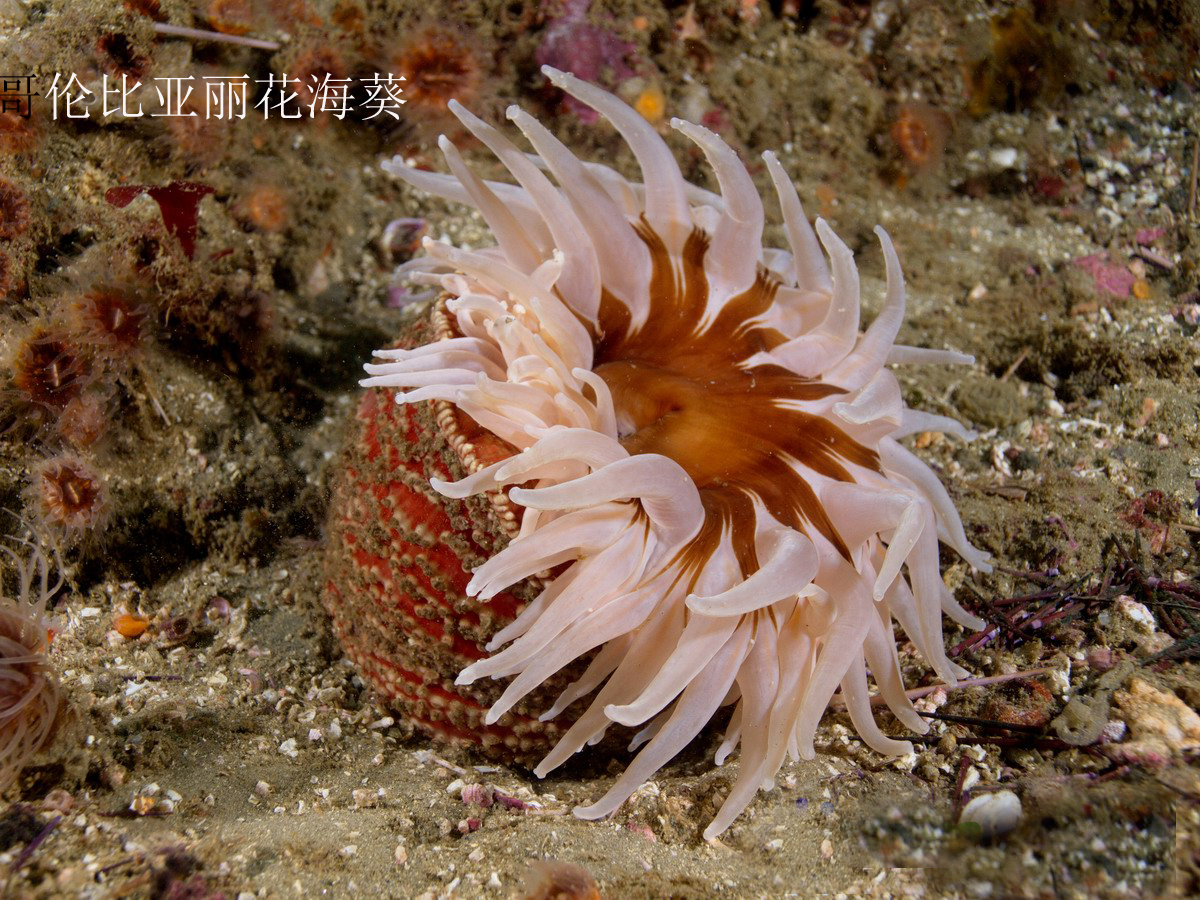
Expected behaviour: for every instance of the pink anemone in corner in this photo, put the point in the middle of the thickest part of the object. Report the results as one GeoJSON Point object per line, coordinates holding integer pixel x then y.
{"type": "Point", "coordinates": [30, 696]}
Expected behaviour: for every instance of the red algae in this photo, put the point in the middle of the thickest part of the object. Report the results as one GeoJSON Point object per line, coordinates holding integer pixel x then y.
{"type": "Point", "coordinates": [572, 43]}
{"type": "Point", "coordinates": [179, 203]}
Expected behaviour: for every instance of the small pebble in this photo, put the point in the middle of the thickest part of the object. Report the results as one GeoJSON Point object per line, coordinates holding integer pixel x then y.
{"type": "Point", "coordinates": [996, 812]}
{"type": "Point", "coordinates": [1004, 157]}
{"type": "Point", "coordinates": [477, 795]}
{"type": "Point", "coordinates": [58, 801]}
{"type": "Point", "coordinates": [1135, 614]}
{"type": "Point", "coordinates": [970, 779]}
{"type": "Point", "coordinates": [218, 610]}
{"type": "Point", "coordinates": [365, 798]}
{"type": "Point", "coordinates": [644, 830]}
{"type": "Point", "coordinates": [466, 826]}
{"type": "Point", "coordinates": [1161, 726]}
{"type": "Point", "coordinates": [131, 626]}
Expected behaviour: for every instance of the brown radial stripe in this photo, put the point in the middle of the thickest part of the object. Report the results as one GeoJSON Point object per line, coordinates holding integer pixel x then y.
{"type": "Point", "coordinates": [683, 383]}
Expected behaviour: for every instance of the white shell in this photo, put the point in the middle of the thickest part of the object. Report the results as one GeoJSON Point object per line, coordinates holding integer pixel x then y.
{"type": "Point", "coordinates": [996, 812]}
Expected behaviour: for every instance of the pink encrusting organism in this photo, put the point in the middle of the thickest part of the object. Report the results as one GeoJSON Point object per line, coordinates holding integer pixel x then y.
{"type": "Point", "coordinates": [700, 457]}
{"type": "Point", "coordinates": [571, 43]}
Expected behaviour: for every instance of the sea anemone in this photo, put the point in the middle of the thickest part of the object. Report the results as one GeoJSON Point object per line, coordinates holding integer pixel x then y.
{"type": "Point", "coordinates": [265, 205]}
{"type": "Point", "coordinates": [120, 54]}
{"type": "Point", "coordinates": [29, 693]}
{"type": "Point", "coordinates": [920, 132]}
{"type": "Point", "coordinates": [69, 495]}
{"type": "Point", "coordinates": [438, 64]}
{"type": "Point", "coordinates": [112, 320]}
{"type": "Point", "coordinates": [702, 451]}
{"type": "Point", "coordinates": [50, 367]}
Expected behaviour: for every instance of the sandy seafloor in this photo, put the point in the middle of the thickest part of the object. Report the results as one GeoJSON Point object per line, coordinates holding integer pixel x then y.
{"type": "Point", "coordinates": [229, 750]}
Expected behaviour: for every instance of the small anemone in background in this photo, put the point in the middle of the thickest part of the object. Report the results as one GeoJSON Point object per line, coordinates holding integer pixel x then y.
{"type": "Point", "coordinates": [30, 698]}
{"type": "Point", "coordinates": [70, 497]}
{"type": "Point", "coordinates": [111, 320]}
{"type": "Point", "coordinates": [48, 368]}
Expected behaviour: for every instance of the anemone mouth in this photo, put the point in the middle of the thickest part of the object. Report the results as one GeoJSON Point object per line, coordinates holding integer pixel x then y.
{"type": "Point", "coordinates": [687, 386]}
{"type": "Point", "coordinates": [704, 451]}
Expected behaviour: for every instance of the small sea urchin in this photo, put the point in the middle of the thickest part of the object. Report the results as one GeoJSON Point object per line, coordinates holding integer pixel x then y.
{"type": "Point", "coordinates": [700, 447]}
